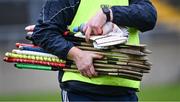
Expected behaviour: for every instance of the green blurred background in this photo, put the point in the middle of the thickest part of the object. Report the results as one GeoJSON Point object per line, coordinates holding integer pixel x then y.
{"type": "Point", "coordinates": [162, 84]}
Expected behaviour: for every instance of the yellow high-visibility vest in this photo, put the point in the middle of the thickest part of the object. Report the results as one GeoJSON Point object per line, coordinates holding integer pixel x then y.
{"type": "Point", "coordinates": [87, 9]}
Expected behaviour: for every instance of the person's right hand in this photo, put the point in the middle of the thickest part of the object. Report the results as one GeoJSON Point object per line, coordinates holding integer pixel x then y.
{"type": "Point", "coordinates": [84, 61]}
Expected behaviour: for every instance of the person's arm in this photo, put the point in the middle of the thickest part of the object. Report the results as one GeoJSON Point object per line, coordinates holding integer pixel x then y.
{"type": "Point", "coordinates": [55, 17]}
{"type": "Point", "coordinates": [140, 14]}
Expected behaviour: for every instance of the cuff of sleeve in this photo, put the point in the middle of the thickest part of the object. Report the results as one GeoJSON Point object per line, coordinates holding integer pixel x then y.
{"type": "Point", "coordinates": [64, 53]}
{"type": "Point", "coordinates": [119, 15]}
{"type": "Point", "coordinates": [114, 14]}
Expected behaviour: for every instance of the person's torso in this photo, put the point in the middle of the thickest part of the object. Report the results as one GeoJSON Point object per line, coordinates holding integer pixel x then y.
{"type": "Point", "coordinates": [87, 9]}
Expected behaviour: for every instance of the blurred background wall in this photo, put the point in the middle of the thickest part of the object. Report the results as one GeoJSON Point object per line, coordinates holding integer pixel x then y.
{"type": "Point", "coordinates": [15, 15]}
{"type": "Point", "coordinates": [164, 41]}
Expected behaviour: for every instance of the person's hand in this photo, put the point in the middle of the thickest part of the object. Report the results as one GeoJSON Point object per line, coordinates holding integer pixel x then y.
{"type": "Point", "coordinates": [84, 61]}
{"type": "Point", "coordinates": [94, 25]}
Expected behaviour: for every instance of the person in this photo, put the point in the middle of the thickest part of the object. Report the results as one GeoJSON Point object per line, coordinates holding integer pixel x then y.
{"type": "Point", "coordinates": [59, 16]}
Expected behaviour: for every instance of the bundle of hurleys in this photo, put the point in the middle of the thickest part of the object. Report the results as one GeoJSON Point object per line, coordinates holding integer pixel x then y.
{"type": "Point", "coordinates": [123, 60]}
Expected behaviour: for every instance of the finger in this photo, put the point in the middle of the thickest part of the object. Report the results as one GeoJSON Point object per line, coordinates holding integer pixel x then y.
{"type": "Point", "coordinates": [88, 72]}
{"type": "Point", "coordinates": [85, 28]}
{"type": "Point", "coordinates": [97, 56]}
{"type": "Point", "coordinates": [96, 28]}
{"type": "Point", "coordinates": [30, 28]}
{"type": "Point", "coordinates": [88, 33]}
{"type": "Point", "coordinates": [92, 69]}
{"type": "Point", "coordinates": [83, 73]}
{"type": "Point", "coordinates": [99, 31]}
{"type": "Point", "coordinates": [94, 31]}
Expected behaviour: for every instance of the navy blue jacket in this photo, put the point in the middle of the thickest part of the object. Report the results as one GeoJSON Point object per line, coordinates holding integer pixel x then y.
{"type": "Point", "coordinates": [58, 14]}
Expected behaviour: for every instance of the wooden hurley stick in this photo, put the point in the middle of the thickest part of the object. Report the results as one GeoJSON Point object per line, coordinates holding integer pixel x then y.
{"type": "Point", "coordinates": [99, 68]}
{"type": "Point", "coordinates": [129, 51]}
{"type": "Point", "coordinates": [123, 63]}
{"type": "Point", "coordinates": [117, 67]}
{"type": "Point", "coordinates": [116, 52]}
{"type": "Point", "coordinates": [112, 55]}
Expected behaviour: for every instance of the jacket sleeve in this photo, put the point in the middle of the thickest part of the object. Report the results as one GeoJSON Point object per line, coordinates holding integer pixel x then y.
{"type": "Point", "coordinates": [55, 17]}
{"type": "Point", "coordinates": [140, 14]}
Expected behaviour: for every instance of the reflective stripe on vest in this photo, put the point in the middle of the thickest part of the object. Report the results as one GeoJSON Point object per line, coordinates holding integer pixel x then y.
{"type": "Point", "coordinates": [87, 9]}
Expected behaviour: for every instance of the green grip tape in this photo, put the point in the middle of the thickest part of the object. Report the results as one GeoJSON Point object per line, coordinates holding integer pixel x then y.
{"type": "Point", "coordinates": [32, 66]}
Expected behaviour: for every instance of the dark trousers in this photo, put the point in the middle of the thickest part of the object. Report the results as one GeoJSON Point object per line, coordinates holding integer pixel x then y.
{"type": "Point", "coordinates": [77, 97]}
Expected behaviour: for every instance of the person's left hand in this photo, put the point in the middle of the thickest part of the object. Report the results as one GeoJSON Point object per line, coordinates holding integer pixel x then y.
{"type": "Point", "coordinates": [94, 25]}
{"type": "Point", "coordinates": [30, 28]}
